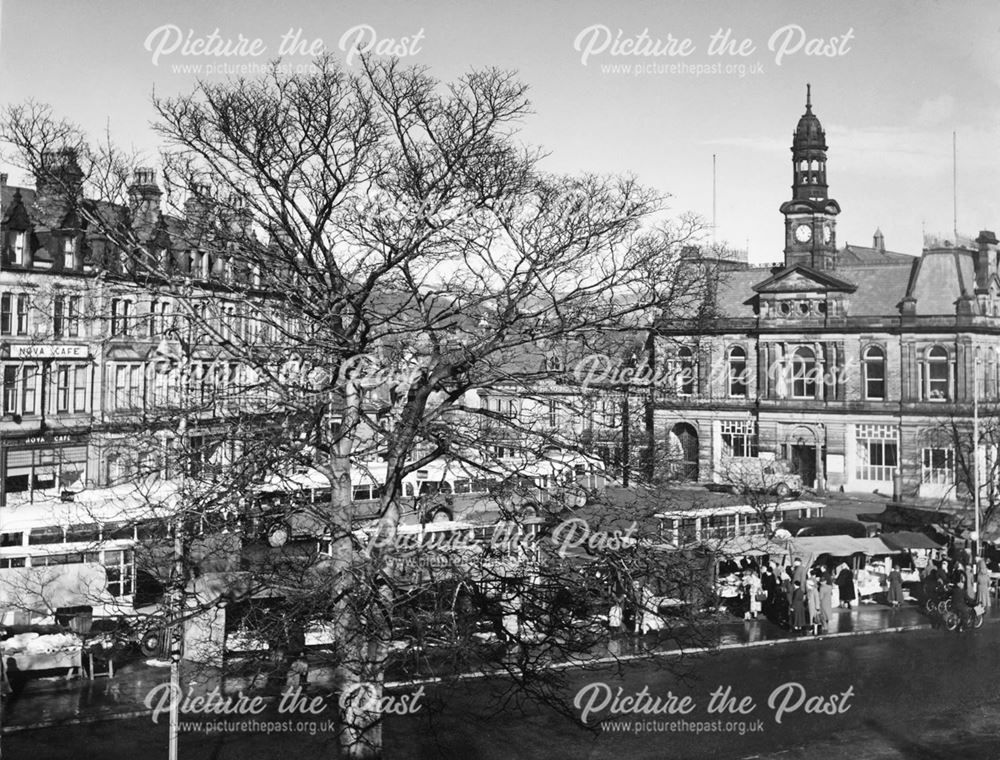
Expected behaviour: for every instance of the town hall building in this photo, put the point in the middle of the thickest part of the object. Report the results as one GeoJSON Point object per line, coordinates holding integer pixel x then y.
{"type": "Point", "coordinates": [857, 366]}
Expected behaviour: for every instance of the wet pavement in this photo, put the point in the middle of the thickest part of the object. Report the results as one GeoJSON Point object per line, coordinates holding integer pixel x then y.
{"type": "Point", "coordinates": [923, 694]}
{"type": "Point", "coordinates": [55, 702]}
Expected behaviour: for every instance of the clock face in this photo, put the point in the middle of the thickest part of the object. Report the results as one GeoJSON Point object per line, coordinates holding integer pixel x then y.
{"type": "Point", "coordinates": [827, 233]}
{"type": "Point", "coordinates": [803, 233]}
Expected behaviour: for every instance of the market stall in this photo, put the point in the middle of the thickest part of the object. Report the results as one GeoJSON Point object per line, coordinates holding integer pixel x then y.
{"type": "Point", "coordinates": [31, 651]}
{"type": "Point", "coordinates": [869, 576]}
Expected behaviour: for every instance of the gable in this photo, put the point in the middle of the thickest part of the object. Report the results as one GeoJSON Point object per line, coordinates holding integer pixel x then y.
{"type": "Point", "coordinates": [800, 279]}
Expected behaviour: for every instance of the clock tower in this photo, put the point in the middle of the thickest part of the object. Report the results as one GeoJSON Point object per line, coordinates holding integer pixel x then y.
{"type": "Point", "coordinates": [811, 216]}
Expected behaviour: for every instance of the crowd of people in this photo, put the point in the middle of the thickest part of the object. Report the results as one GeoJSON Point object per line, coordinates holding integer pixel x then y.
{"type": "Point", "coordinates": [958, 580]}
{"type": "Point", "coordinates": [795, 596]}
{"type": "Point", "coordinates": [802, 598]}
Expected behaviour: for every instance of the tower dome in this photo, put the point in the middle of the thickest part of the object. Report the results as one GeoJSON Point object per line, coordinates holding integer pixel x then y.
{"type": "Point", "coordinates": [809, 133]}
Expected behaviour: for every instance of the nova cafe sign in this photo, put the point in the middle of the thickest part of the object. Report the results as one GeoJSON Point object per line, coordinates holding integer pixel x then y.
{"type": "Point", "coordinates": [48, 351]}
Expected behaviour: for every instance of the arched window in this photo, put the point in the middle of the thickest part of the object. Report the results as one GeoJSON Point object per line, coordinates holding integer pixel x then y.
{"type": "Point", "coordinates": [874, 369]}
{"type": "Point", "coordinates": [685, 371]}
{"type": "Point", "coordinates": [738, 380]}
{"type": "Point", "coordinates": [803, 373]}
{"type": "Point", "coordinates": [938, 379]}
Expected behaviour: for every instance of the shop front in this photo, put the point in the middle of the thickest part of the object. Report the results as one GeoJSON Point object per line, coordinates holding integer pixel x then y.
{"type": "Point", "coordinates": [41, 466]}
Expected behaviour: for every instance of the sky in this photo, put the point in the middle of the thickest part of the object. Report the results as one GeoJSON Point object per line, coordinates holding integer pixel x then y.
{"type": "Point", "coordinates": [892, 82]}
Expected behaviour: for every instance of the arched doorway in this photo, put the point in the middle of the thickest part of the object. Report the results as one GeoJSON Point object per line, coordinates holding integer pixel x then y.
{"type": "Point", "coordinates": [682, 452]}
{"type": "Point", "coordinates": [806, 455]}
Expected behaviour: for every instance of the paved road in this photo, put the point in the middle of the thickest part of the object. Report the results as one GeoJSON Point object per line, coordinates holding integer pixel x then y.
{"type": "Point", "coordinates": [915, 695]}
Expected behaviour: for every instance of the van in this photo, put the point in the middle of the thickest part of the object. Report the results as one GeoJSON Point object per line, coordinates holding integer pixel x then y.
{"type": "Point", "coordinates": [773, 476]}
{"type": "Point", "coordinates": [825, 526]}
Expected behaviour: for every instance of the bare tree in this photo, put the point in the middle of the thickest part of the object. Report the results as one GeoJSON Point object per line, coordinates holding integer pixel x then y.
{"type": "Point", "coordinates": [375, 255]}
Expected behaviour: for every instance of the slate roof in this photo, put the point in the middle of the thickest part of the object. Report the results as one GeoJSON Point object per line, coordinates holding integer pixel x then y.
{"type": "Point", "coordinates": [940, 278]}
{"type": "Point", "coordinates": [879, 289]}
{"type": "Point", "coordinates": [859, 256]}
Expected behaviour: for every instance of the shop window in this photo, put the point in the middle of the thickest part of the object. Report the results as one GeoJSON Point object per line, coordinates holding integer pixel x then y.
{"type": "Point", "coordinates": [877, 452]}
{"type": "Point", "coordinates": [739, 438]}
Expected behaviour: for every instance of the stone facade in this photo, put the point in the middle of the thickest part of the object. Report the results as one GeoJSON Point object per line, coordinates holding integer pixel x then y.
{"type": "Point", "coordinates": [858, 366]}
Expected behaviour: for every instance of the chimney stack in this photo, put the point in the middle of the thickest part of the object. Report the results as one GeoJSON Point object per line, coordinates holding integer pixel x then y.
{"type": "Point", "coordinates": [145, 197]}
{"type": "Point", "coordinates": [58, 185]}
{"type": "Point", "coordinates": [986, 258]}
{"type": "Point", "coordinates": [196, 206]}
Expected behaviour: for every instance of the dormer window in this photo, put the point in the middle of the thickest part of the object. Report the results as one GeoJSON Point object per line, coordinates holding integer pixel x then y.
{"type": "Point", "coordinates": [69, 253]}
{"type": "Point", "coordinates": [19, 248]}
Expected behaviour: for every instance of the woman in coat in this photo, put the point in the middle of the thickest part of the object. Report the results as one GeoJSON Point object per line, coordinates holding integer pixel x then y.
{"type": "Point", "coordinates": [826, 603]}
{"type": "Point", "coordinates": [983, 584]}
{"type": "Point", "coordinates": [812, 605]}
{"type": "Point", "coordinates": [769, 584]}
{"type": "Point", "coordinates": [895, 587]}
{"type": "Point", "coordinates": [754, 588]}
{"type": "Point", "coordinates": [799, 617]}
{"type": "Point", "coordinates": [845, 582]}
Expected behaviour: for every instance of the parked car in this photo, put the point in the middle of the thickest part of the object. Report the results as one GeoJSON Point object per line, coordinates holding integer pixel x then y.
{"type": "Point", "coordinates": [761, 476]}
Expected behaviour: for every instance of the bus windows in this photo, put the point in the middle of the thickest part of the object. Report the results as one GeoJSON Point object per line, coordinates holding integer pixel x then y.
{"type": "Point", "coordinates": [84, 534]}
{"type": "Point", "coordinates": [50, 534]}
{"type": "Point", "coordinates": [119, 532]}
{"type": "Point", "coordinates": [152, 529]}
{"type": "Point", "coordinates": [43, 560]}
{"type": "Point", "coordinates": [8, 562]}
{"type": "Point", "coordinates": [12, 539]}
{"type": "Point", "coordinates": [365, 493]}
{"type": "Point", "coordinates": [434, 487]}
{"type": "Point", "coordinates": [687, 528]}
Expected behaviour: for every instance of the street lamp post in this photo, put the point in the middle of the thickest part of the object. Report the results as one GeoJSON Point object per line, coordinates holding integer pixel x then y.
{"type": "Point", "coordinates": [975, 452]}
{"type": "Point", "coordinates": [174, 629]}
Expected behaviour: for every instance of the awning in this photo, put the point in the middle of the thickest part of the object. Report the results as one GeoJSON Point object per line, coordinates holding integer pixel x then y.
{"type": "Point", "coordinates": [747, 546]}
{"type": "Point", "coordinates": [907, 539]}
{"type": "Point", "coordinates": [838, 546]}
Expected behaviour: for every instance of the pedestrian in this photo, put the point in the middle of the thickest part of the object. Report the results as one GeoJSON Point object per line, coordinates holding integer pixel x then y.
{"type": "Point", "coordinates": [983, 584]}
{"type": "Point", "coordinates": [825, 603]}
{"type": "Point", "coordinates": [783, 600]}
{"type": "Point", "coordinates": [298, 674]}
{"type": "Point", "coordinates": [800, 572]}
{"type": "Point", "coordinates": [895, 587]}
{"type": "Point", "coordinates": [799, 618]}
{"type": "Point", "coordinates": [615, 616]}
{"type": "Point", "coordinates": [769, 584]}
{"type": "Point", "coordinates": [755, 594]}
{"type": "Point", "coordinates": [845, 583]}
{"type": "Point", "coordinates": [812, 605]}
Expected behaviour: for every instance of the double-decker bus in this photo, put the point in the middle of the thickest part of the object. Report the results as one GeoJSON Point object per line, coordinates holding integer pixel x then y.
{"type": "Point", "coordinates": [292, 504]}
{"type": "Point", "coordinates": [57, 553]}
